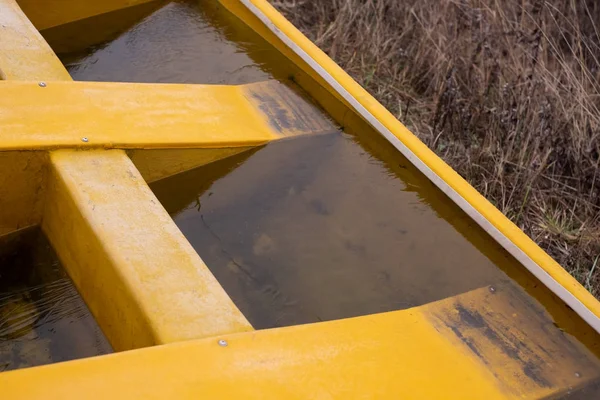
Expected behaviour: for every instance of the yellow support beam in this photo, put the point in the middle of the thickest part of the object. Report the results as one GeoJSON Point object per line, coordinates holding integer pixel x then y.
{"type": "Point", "coordinates": [134, 115]}
{"type": "Point", "coordinates": [24, 54]}
{"type": "Point", "coordinates": [451, 349]}
{"type": "Point", "coordinates": [139, 276]}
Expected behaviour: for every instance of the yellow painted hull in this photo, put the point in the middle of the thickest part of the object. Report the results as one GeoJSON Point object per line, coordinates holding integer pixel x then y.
{"type": "Point", "coordinates": [76, 157]}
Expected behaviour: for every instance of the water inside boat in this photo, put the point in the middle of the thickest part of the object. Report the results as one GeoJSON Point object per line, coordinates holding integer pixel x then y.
{"type": "Point", "coordinates": [307, 229]}
{"type": "Point", "coordinates": [175, 42]}
{"type": "Point", "coordinates": [43, 319]}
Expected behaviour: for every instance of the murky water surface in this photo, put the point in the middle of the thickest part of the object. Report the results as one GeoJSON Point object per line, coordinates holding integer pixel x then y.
{"type": "Point", "coordinates": [318, 229]}
{"type": "Point", "coordinates": [42, 317]}
{"type": "Point", "coordinates": [184, 42]}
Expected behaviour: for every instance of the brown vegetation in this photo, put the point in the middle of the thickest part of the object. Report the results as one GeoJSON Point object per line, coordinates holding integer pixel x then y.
{"type": "Point", "coordinates": [506, 91]}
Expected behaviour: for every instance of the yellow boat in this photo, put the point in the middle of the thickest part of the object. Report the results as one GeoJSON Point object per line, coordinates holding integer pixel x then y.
{"type": "Point", "coordinates": [197, 189]}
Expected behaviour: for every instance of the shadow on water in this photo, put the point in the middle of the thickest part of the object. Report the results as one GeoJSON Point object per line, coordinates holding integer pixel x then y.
{"type": "Point", "coordinates": [42, 317]}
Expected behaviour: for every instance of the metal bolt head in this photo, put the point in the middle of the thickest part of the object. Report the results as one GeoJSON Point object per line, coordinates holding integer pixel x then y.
{"type": "Point", "coordinates": [223, 343]}
{"type": "Point", "coordinates": [84, 139]}
{"type": "Point", "coordinates": [42, 84]}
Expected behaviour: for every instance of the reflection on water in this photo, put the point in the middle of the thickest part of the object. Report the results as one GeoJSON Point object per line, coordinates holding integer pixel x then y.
{"type": "Point", "coordinates": [184, 42]}
{"type": "Point", "coordinates": [42, 317]}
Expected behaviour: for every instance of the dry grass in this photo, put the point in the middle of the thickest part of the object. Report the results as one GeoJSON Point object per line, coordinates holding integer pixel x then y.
{"type": "Point", "coordinates": [506, 91]}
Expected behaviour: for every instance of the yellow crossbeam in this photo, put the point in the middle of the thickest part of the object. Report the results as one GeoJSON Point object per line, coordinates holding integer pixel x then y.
{"type": "Point", "coordinates": [50, 115]}
{"type": "Point", "coordinates": [479, 345]}
{"type": "Point", "coordinates": [139, 276]}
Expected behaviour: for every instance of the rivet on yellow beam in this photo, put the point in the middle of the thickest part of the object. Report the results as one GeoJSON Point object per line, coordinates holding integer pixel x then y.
{"type": "Point", "coordinates": [133, 115]}
{"type": "Point", "coordinates": [410, 354]}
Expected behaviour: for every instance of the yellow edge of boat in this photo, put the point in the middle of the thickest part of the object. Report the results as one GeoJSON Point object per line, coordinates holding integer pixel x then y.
{"type": "Point", "coordinates": [374, 356]}
{"type": "Point", "coordinates": [264, 18]}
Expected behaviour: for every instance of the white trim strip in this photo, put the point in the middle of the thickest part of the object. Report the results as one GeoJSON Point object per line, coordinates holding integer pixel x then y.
{"type": "Point", "coordinates": [506, 243]}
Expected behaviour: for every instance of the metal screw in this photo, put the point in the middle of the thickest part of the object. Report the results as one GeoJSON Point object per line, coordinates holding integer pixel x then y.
{"type": "Point", "coordinates": [492, 289]}
{"type": "Point", "coordinates": [42, 84]}
{"type": "Point", "coordinates": [223, 343]}
{"type": "Point", "coordinates": [84, 139]}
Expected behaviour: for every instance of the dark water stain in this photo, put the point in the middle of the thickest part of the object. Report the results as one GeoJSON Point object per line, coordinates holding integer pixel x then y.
{"type": "Point", "coordinates": [319, 207]}
{"type": "Point", "coordinates": [508, 322]}
{"type": "Point", "coordinates": [469, 317]}
{"type": "Point", "coordinates": [279, 117]}
{"type": "Point", "coordinates": [533, 372]}
{"type": "Point", "coordinates": [289, 110]}
{"type": "Point", "coordinates": [42, 317]}
{"type": "Point", "coordinates": [467, 341]}
{"type": "Point", "coordinates": [508, 345]}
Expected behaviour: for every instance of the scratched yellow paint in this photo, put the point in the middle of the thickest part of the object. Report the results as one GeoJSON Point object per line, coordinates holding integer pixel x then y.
{"type": "Point", "coordinates": [356, 358]}
{"type": "Point", "coordinates": [127, 115]}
